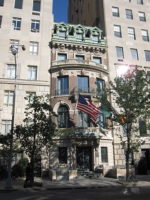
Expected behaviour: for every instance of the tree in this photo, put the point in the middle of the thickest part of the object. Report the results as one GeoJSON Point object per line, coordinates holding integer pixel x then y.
{"type": "Point", "coordinates": [132, 96]}
{"type": "Point", "coordinates": [38, 128]}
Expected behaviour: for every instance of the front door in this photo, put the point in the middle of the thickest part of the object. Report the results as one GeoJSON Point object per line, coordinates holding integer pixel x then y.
{"type": "Point", "coordinates": [84, 158]}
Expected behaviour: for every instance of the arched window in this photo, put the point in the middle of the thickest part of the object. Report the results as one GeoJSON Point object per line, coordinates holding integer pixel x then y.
{"type": "Point", "coordinates": [63, 117]}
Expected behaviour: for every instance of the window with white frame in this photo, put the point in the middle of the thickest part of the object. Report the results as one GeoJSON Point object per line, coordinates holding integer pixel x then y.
{"type": "Point", "coordinates": [129, 14]}
{"type": "Point", "coordinates": [79, 36]}
{"type": "Point", "coordinates": [16, 23]}
{"type": "Point", "coordinates": [115, 11]}
{"type": "Point", "coordinates": [33, 48]}
{"type": "Point", "coordinates": [147, 55]}
{"type": "Point", "coordinates": [6, 127]}
{"type": "Point", "coordinates": [32, 72]}
{"type": "Point", "coordinates": [134, 54]}
{"type": "Point", "coordinates": [142, 16]}
{"type": "Point", "coordinates": [145, 35]}
{"type": "Point", "coordinates": [36, 5]}
{"type": "Point", "coordinates": [18, 4]}
{"type": "Point", "coordinates": [35, 25]}
{"type": "Point", "coordinates": [95, 38]}
{"type": "Point", "coordinates": [131, 33]}
{"type": "Point", "coordinates": [14, 43]}
{"type": "Point", "coordinates": [119, 52]}
{"type": "Point", "coordinates": [62, 34]}
{"type": "Point", "coordinates": [117, 31]}
{"type": "Point", "coordinates": [8, 97]}
{"type": "Point", "coordinates": [30, 96]}
{"type": "Point", "coordinates": [10, 71]}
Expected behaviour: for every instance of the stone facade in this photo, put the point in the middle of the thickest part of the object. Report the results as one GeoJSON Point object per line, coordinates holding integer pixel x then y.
{"type": "Point", "coordinates": [126, 26]}
{"type": "Point", "coordinates": [30, 27]}
{"type": "Point", "coordinates": [78, 61]}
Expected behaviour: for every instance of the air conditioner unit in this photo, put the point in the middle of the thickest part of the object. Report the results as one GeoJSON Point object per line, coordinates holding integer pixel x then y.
{"type": "Point", "coordinates": [34, 30]}
{"type": "Point", "coordinates": [120, 60]}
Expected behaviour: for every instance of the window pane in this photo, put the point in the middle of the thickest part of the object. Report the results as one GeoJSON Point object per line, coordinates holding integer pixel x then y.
{"type": "Point", "coordinates": [97, 60]}
{"type": "Point", "coordinates": [139, 1]}
{"type": "Point", "coordinates": [16, 23]}
{"type": "Point", "coordinates": [35, 25]}
{"type": "Point", "coordinates": [147, 55]}
{"type": "Point", "coordinates": [100, 83]}
{"type": "Point", "coordinates": [63, 85]}
{"type": "Point", "coordinates": [32, 73]}
{"type": "Point", "coordinates": [79, 36]}
{"type": "Point", "coordinates": [18, 4]}
{"type": "Point", "coordinates": [79, 57]}
{"type": "Point", "coordinates": [0, 21]}
{"type": "Point", "coordinates": [63, 117]}
{"type": "Point", "coordinates": [142, 127]}
{"type": "Point", "coordinates": [83, 119]}
{"type": "Point", "coordinates": [62, 56]}
{"type": "Point", "coordinates": [6, 127]}
{"type": "Point", "coordinates": [142, 16]}
{"type": "Point", "coordinates": [63, 155]}
{"type": "Point", "coordinates": [8, 98]}
{"type": "Point", "coordinates": [131, 33]}
{"type": "Point", "coordinates": [115, 11]}
{"type": "Point", "coordinates": [1, 2]}
{"type": "Point", "coordinates": [33, 48]}
{"type": "Point", "coordinates": [129, 14]}
{"type": "Point", "coordinates": [102, 120]}
{"type": "Point", "coordinates": [95, 38]}
{"type": "Point", "coordinates": [145, 36]}
{"type": "Point", "coordinates": [62, 34]}
{"type": "Point", "coordinates": [37, 5]}
{"type": "Point", "coordinates": [10, 71]}
{"type": "Point", "coordinates": [117, 31]}
{"type": "Point", "coordinates": [83, 84]}
{"type": "Point", "coordinates": [104, 154]}
{"type": "Point", "coordinates": [134, 54]}
{"type": "Point", "coordinates": [30, 96]}
{"type": "Point", "coordinates": [119, 51]}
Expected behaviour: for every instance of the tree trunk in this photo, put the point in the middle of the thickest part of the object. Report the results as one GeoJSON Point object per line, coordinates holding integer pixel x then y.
{"type": "Point", "coordinates": [128, 150]}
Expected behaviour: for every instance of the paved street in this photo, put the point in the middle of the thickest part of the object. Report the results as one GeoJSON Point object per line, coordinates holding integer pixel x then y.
{"type": "Point", "coordinates": [117, 193]}
{"type": "Point", "coordinates": [80, 189]}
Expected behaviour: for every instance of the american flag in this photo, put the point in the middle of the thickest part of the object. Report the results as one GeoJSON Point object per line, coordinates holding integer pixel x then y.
{"type": "Point", "coordinates": [88, 107]}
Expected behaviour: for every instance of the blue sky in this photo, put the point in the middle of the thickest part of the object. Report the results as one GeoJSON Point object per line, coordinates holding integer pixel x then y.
{"type": "Point", "coordinates": [60, 10]}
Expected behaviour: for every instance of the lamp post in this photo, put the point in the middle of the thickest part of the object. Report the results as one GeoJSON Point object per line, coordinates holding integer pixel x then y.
{"type": "Point", "coordinates": [14, 51]}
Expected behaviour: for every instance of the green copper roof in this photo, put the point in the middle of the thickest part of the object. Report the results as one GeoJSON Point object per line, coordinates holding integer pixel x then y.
{"type": "Point", "coordinates": [78, 33]}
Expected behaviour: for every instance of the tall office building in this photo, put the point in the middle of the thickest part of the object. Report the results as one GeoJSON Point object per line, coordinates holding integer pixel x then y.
{"type": "Point", "coordinates": [26, 26]}
{"type": "Point", "coordinates": [126, 27]}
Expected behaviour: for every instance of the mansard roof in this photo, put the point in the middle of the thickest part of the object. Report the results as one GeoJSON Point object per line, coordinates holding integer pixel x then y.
{"type": "Point", "coordinates": [78, 34]}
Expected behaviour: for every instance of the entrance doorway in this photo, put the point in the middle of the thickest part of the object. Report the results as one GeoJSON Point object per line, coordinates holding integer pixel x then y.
{"type": "Point", "coordinates": [84, 158]}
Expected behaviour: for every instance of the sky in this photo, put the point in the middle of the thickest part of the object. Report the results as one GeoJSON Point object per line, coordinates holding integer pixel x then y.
{"type": "Point", "coordinates": [60, 10]}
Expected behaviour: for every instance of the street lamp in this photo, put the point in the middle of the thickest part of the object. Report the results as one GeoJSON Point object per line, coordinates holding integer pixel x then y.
{"type": "Point", "coordinates": [14, 51]}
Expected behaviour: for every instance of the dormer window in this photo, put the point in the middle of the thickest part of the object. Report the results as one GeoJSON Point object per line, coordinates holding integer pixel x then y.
{"type": "Point", "coordinates": [79, 36]}
{"type": "Point", "coordinates": [95, 38]}
{"type": "Point", "coordinates": [62, 34]}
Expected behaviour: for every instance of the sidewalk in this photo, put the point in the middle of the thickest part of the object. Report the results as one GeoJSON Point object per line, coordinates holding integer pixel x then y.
{"type": "Point", "coordinates": [80, 182]}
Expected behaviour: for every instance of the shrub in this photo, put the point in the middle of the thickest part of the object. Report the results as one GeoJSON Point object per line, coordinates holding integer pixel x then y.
{"type": "Point", "coordinates": [19, 169]}
{"type": "Point", "coordinates": [3, 172]}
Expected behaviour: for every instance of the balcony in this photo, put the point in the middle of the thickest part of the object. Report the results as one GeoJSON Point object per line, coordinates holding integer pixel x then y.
{"type": "Point", "coordinates": [78, 63]}
{"type": "Point", "coordinates": [76, 91]}
{"type": "Point", "coordinates": [62, 91]}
